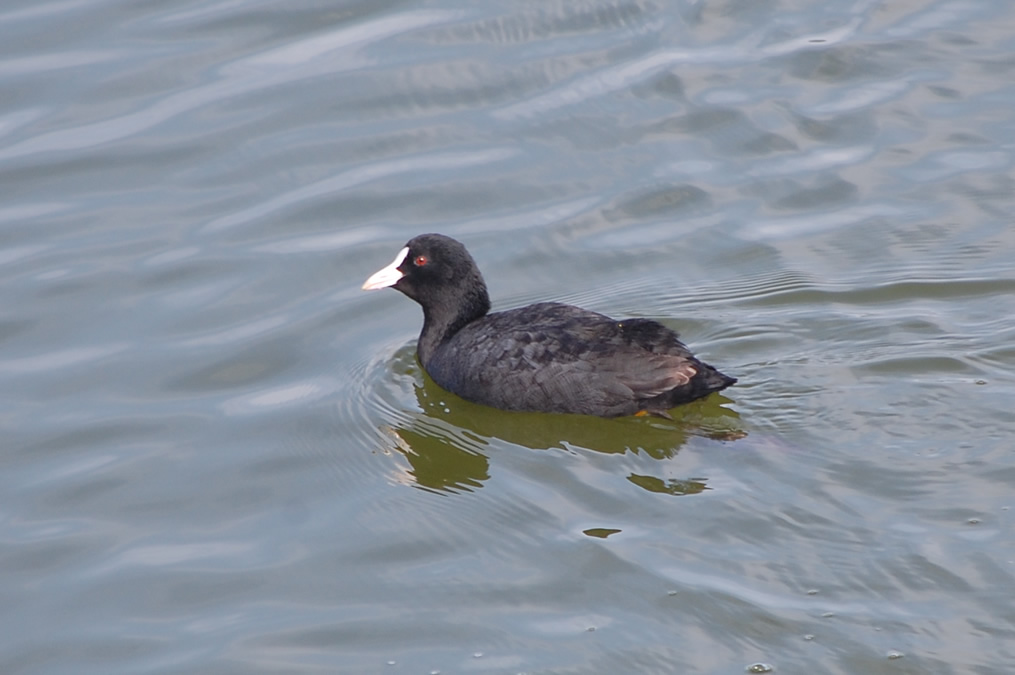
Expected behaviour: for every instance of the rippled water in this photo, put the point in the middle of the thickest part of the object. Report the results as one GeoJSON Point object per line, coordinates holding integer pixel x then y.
{"type": "Point", "coordinates": [221, 456]}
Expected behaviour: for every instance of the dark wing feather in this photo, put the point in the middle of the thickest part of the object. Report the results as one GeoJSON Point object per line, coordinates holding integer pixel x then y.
{"type": "Point", "coordinates": [565, 359]}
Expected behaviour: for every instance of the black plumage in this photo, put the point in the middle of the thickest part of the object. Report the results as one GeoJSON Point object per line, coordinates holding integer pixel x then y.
{"type": "Point", "coordinates": [547, 357]}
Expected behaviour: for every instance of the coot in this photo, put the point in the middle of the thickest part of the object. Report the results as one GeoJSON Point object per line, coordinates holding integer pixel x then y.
{"type": "Point", "coordinates": [546, 357]}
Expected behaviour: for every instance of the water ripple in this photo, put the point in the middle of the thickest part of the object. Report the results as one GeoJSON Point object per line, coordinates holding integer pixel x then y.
{"type": "Point", "coordinates": [222, 455]}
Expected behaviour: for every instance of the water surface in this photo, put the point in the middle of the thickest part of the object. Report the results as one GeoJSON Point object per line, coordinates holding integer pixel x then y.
{"type": "Point", "coordinates": [221, 456]}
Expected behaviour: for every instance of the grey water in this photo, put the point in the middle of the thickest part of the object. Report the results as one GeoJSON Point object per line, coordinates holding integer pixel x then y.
{"type": "Point", "coordinates": [220, 456]}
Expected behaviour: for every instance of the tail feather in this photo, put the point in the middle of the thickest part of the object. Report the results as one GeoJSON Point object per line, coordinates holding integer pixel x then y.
{"type": "Point", "coordinates": [708, 381]}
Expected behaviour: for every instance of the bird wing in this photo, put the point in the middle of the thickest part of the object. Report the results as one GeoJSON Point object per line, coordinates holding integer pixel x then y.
{"type": "Point", "coordinates": [566, 360]}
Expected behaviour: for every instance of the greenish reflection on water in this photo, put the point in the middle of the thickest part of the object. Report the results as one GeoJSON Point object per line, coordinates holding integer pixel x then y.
{"type": "Point", "coordinates": [444, 443]}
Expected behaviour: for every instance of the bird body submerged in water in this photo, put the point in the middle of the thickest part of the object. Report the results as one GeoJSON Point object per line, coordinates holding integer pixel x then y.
{"type": "Point", "coordinates": [547, 357]}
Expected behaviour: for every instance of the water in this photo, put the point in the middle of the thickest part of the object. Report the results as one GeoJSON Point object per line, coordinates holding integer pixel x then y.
{"type": "Point", "coordinates": [221, 456]}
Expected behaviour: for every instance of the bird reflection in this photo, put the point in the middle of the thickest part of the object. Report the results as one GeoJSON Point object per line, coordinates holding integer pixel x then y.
{"type": "Point", "coordinates": [446, 444]}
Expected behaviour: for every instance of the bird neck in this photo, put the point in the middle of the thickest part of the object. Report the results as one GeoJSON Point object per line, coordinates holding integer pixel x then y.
{"type": "Point", "coordinates": [441, 323]}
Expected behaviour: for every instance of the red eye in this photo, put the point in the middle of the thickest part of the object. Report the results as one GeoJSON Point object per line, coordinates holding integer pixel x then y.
{"type": "Point", "coordinates": [421, 260]}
